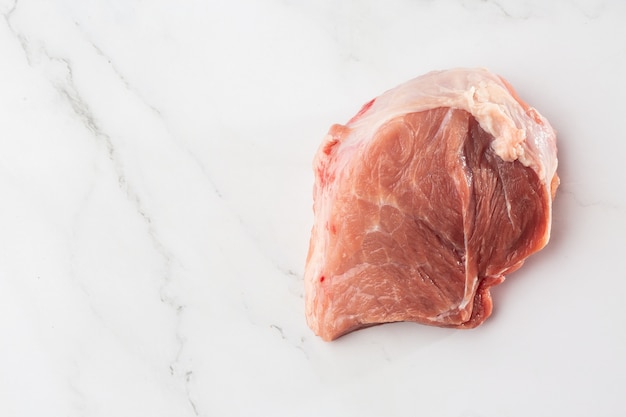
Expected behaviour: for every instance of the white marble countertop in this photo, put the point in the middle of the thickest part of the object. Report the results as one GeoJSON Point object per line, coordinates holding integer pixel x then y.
{"type": "Point", "coordinates": [155, 174]}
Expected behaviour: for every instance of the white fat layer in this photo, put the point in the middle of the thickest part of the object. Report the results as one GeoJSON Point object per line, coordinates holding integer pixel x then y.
{"type": "Point", "coordinates": [520, 133]}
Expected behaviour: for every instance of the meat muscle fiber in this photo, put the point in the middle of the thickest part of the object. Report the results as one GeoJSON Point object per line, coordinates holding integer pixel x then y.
{"type": "Point", "coordinates": [424, 200]}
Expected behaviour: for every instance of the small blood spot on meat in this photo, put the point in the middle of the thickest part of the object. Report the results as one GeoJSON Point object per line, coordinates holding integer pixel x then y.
{"type": "Point", "coordinates": [322, 278]}
{"type": "Point", "coordinates": [333, 229]}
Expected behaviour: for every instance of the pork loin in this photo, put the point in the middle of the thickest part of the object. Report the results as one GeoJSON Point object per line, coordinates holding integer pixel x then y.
{"type": "Point", "coordinates": [424, 200]}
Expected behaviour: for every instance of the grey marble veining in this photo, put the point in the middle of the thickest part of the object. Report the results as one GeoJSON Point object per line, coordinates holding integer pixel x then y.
{"type": "Point", "coordinates": [155, 173]}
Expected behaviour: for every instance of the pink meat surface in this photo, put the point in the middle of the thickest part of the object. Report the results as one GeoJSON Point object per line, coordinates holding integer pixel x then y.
{"type": "Point", "coordinates": [424, 200]}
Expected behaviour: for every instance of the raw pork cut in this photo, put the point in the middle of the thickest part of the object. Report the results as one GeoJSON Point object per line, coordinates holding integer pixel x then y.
{"type": "Point", "coordinates": [424, 200]}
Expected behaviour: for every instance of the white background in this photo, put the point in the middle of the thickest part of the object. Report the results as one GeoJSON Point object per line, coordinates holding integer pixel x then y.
{"type": "Point", "coordinates": [155, 183]}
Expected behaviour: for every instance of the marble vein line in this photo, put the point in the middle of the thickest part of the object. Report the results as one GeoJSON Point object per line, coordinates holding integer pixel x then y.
{"type": "Point", "coordinates": [204, 171]}
{"type": "Point", "coordinates": [67, 89]}
{"type": "Point", "coordinates": [175, 363]}
{"type": "Point", "coordinates": [116, 71]}
{"type": "Point", "coordinates": [234, 212]}
{"type": "Point", "coordinates": [603, 204]}
{"type": "Point", "coordinates": [82, 109]}
{"type": "Point", "coordinates": [80, 401]}
{"type": "Point", "coordinates": [591, 14]}
{"type": "Point", "coordinates": [240, 220]}
{"type": "Point", "coordinates": [8, 13]}
{"type": "Point", "coordinates": [21, 38]}
{"type": "Point", "coordinates": [469, 5]}
{"type": "Point", "coordinates": [180, 145]}
{"type": "Point", "coordinates": [299, 344]}
{"type": "Point", "coordinates": [179, 308]}
{"type": "Point", "coordinates": [154, 109]}
{"type": "Point", "coordinates": [505, 12]}
{"type": "Point", "coordinates": [194, 407]}
{"type": "Point", "coordinates": [176, 304]}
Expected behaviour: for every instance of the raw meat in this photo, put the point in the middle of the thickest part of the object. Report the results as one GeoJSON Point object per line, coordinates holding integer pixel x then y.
{"type": "Point", "coordinates": [424, 200]}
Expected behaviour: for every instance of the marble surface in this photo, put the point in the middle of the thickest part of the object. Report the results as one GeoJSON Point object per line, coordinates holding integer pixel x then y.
{"type": "Point", "coordinates": [155, 174]}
